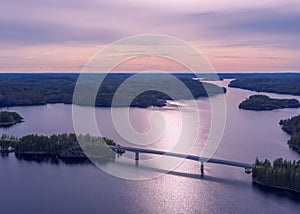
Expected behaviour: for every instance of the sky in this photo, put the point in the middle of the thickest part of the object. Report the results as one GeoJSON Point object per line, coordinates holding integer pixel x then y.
{"type": "Point", "coordinates": [234, 35]}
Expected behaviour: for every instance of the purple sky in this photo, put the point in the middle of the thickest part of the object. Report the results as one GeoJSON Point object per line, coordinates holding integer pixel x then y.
{"type": "Point", "coordinates": [236, 36]}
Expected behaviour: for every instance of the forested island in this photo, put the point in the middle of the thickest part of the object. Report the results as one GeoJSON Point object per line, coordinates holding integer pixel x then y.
{"type": "Point", "coordinates": [8, 118]}
{"type": "Point", "coordinates": [282, 174]}
{"type": "Point", "coordinates": [61, 146]}
{"type": "Point", "coordinates": [279, 84]}
{"type": "Point", "coordinates": [292, 127]}
{"type": "Point", "coordinates": [263, 102]}
{"type": "Point", "coordinates": [40, 89]}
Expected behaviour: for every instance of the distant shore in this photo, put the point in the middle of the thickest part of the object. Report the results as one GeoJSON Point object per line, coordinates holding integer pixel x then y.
{"type": "Point", "coordinates": [40, 89]}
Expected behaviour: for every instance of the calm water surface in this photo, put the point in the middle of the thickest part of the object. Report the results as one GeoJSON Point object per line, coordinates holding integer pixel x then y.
{"type": "Point", "coordinates": [31, 187]}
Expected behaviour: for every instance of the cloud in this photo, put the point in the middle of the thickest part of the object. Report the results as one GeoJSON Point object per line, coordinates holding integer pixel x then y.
{"type": "Point", "coordinates": [214, 24]}
{"type": "Point", "coordinates": [54, 21]}
{"type": "Point", "coordinates": [23, 32]}
{"type": "Point", "coordinates": [273, 26]}
{"type": "Point", "coordinates": [264, 21]}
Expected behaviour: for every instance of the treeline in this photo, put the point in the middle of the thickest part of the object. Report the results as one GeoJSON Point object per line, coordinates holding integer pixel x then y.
{"type": "Point", "coordinates": [8, 118]}
{"type": "Point", "coordinates": [263, 102]}
{"type": "Point", "coordinates": [292, 126]}
{"type": "Point", "coordinates": [63, 145]}
{"type": "Point", "coordinates": [39, 89]}
{"type": "Point", "coordinates": [35, 89]}
{"type": "Point", "coordinates": [284, 84]}
{"type": "Point", "coordinates": [282, 174]}
{"type": "Point", "coordinates": [53, 144]}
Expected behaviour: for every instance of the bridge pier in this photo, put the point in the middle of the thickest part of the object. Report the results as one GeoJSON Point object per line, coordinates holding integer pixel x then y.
{"type": "Point", "coordinates": [137, 156]}
{"type": "Point", "coordinates": [202, 167]}
{"type": "Point", "coordinates": [248, 170]}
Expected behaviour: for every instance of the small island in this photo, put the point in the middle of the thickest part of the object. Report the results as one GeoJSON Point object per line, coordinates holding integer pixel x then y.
{"type": "Point", "coordinates": [283, 174]}
{"type": "Point", "coordinates": [292, 127]}
{"type": "Point", "coordinates": [8, 118]}
{"type": "Point", "coordinates": [264, 103]}
{"type": "Point", "coordinates": [60, 146]}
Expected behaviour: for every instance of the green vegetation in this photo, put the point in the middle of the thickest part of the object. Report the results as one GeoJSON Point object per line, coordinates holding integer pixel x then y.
{"type": "Point", "coordinates": [292, 126]}
{"type": "Point", "coordinates": [6, 143]}
{"type": "Point", "coordinates": [35, 89]}
{"type": "Point", "coordinates": [61, 145]}
{"type": "Point", "coordinates": [284, 84]}
{"type": "Point", "coordinates": [9, 118]}
{"type": "Point", "coordinates": [262, 102]}
{"type": "Point", "coordinates": [282, 174]}
{"type": "Point", "coordinates": [40, 89]}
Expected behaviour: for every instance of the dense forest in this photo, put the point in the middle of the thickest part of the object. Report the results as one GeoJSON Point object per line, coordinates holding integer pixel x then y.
{"type": "Point", "coordinates": [256, 75]}
{"type": "Point", "coordinates": [60, 145]}
{"type": "Point", "coordinates": [292, 126]}
{"type": "Point", "coordinates": [262, 102]}
{"type": "Point", "coordinates": [282, 174]}
{"type": "Point", "coordinates": [39, 89]}
{"type": "Point", "coordinates": [283, 84]}
{"type": "Point", "coordinates": [8, 118]}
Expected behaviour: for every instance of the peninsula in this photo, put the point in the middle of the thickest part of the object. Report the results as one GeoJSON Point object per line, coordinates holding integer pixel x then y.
{"type": "Point", "coordinates": [282, 174]}
{"type": "Point", "coordinates": [40, 89]}
{"type": "Point", "coordinates": [8, 118]}
{"type": "Point", "coordinates": [60, 146]}
{"type": "Point", "coordinates": [292, 127]}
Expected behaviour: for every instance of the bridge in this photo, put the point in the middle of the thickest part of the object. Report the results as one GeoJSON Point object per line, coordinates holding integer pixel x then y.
{"type": "Point", "coordinates": [121, 149]}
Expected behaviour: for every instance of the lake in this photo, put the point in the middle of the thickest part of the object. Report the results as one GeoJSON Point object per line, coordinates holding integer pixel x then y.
{"type": "Point", "coordinates": [32, 187]}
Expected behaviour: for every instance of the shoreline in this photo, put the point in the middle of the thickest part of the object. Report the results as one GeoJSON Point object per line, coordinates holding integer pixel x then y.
{"type": "Point", "coordinates": [258, 102]}
{"type": "Point", "coordinates": [255, 181]}
{"type": "Point", "coordinates": [294, 147]}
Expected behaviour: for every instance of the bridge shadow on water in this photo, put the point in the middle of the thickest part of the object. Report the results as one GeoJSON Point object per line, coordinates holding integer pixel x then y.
{"type": "Point", "coordinates": [196, 176]}
{"type": "Point", "coordinates": [134, 164]}
{"type": "Point", "coordinates": [209, 178]}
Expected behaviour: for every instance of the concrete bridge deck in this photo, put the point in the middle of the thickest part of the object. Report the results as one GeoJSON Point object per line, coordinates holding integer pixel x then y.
{"type": "Point", "coordinates": [202, 160]}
